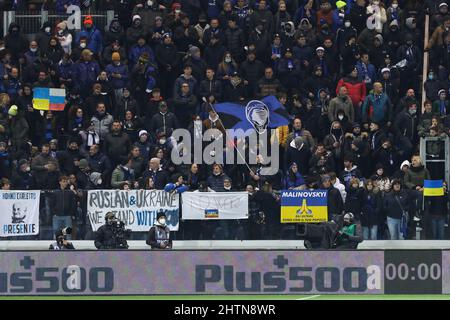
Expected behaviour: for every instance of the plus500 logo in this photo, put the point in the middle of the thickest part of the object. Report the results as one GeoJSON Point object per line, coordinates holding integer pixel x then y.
{"type": "Point", "coordinates": [296, 279]}
{"type": "Point", "coordinates": [72, 279]}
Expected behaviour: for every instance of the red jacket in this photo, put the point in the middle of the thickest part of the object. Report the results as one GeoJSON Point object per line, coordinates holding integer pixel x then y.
{"type": "Point", "coordinates": [356, 89]}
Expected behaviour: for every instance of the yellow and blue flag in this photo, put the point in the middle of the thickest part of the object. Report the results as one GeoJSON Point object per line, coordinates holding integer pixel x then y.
{"type": "Point", "coordinates": [433, 188]}
{"type": "Point", "coordinates": [53, 99]}
{"type": "Point", "coordinates": [304, 206]}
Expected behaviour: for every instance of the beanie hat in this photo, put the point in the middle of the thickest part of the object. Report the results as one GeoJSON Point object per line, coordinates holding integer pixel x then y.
{"type": "Point", "coordinates": [340, 4]}
{"type": "Point", "coordinates": [13, 110]}
{"type": "Point", "coordinates": [441, 91]}
{"type": "Point", "coordinates": [88, 19]}
{"type": "Point", "coordinates": [143, 132]}
{"type": "Point", "coordinates": [160, 214]}
{"type": "Point", "coordinates": [115, 56]}
{"type": "Point", "coordinates": [405, 163]}
{"type": "Point", "coordinates": [83, 164]}
{"type": "Point", "coordinates": [136, 16]}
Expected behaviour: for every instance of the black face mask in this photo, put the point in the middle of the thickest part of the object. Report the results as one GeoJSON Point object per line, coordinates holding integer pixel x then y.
{"type": "Point", "coordinates": [336, 132]}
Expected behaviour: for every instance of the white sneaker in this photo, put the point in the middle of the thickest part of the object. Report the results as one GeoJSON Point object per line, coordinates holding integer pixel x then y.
{"type": "Point", "coordinates": [418, 229]}
{"type": "Point", "coordinates": [416, 218]}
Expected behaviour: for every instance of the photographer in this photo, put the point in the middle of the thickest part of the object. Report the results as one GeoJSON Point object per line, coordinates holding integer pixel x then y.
{"type": "Point", "coordinates": [159, 234]}
{"type": "Point", "coordinates": [61, 240]}
{"type": "Point", "coordinates": [112, 234]}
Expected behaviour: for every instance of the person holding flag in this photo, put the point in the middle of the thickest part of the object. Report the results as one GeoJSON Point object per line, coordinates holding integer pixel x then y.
{"type": "Point", "coordinates": [435, 199]}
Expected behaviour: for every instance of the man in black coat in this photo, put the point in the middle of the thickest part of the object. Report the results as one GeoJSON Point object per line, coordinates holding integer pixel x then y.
{"type": "Point", "coordinates": [334, 198]}
{"type": "Point", "coordinates": [164, 120]}
{"type": "Point", "coordinates": [169, 63]}
{"type": "Point", "coordinates": [210, 86]}
{"type": "Point", "coordinates": [68, 159]}
{"type": "Point", "coordinates": [298, 152]}
{"type": "Point", "coordinates": [251, 71]}
{"type": "Point", "coordinates": [159, 176]}
{"type": "Point", "coordinates": [405, 127]}
{"type": "Point", "coordinates": [105, 238]}
{"type": "Point", "coordinates": [117, 144]}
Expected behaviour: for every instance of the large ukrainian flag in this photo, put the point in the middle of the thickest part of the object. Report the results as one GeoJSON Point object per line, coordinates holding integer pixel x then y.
{"type": "Point", "coordinates": [433, 188]}
{"type": "Point", "coordinates": [304, 206]}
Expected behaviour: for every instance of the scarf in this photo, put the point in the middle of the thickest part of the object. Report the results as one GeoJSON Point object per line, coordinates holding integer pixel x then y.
{"type": "Point", "coordinates": [92, 138]}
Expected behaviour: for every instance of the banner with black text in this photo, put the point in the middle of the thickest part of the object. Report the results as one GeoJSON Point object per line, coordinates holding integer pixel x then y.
{"type": "Point", "coordinates": [137, 208]}
{"type": "Point", "coordinates": [19, 213]}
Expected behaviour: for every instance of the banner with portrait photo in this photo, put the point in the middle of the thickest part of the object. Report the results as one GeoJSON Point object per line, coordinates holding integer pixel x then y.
{"type": "Point", "coordinates": [19, 213]}
{"type": "Point", "coordinates": [136, 208]}
{"type": "Point", "coordinates": [214, 205]}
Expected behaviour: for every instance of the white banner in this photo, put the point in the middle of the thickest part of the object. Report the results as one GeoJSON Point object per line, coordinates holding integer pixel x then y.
{"type": "Point", "coordinates": [214, 205]}
{"type": "Point", "coordinates": [137, 208]}
{"type": "Point", "coordinates": [19, 213]}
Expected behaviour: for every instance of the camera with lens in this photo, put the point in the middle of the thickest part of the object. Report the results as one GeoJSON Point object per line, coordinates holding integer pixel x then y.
{"type": "Point", "coordinates": [62, 235]}
{"type": "Point", "coordinates": [120, 234]}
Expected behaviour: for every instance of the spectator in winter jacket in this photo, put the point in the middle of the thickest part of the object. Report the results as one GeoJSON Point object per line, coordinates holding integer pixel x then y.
{"type": "Point", "coordinates": [178, 186]}
{"type": "Point", "coordinates": [356, 88]}
{"type": "Point", "coordinates": [186, 77]}
{"type": "Point", "coordinates": [210, 86]}
{"type": "Point", "coordinates": [18, 127]}
{"type": "Point", "coordinates": [350, 171]}
{"type": "Point", "coordinates": [185, 104]}
{"type": "Point", "coordinates": [338, 185]}
{"type": "Point", "coordinates": [69, 158]}
{"type": "Point", "coordinates": [341, 102]}
{"type": "Point", "coordinates": [85, 71]}
{"type": "Point", "coordinates": [102, 121]}
{"type": "Point", "coordinates": [93, 35]}
{"type": "Point", "coordinates": [416, 174]}
{"type": "Point", "coordinates": [235, 39]}
{"type": "Point", "coordinates": [441, 106]}
{"type": "Point", "coordinates": [22, 179]}
{"type": "Point", "coordinates": [298, 152]}
{"type": "Point", "coordinates": [293, 178]}
{"type": "Point", "coordinates": [377, 107]}
{"type": "Point", "coordinates": [123, 175]}
{"type": "Point", "coordinates": [117, 144]}
{"type": "Point", "coordinates": [395, 203]}
{"type": "Point", "coordinates": [299, 131]}
{"type": "Point", "coordinates": [366, 70]}
{"type": "Point", "coordinates": [268, 85]}
{"type": "Point", "coordinates": [15, 42]}
{"type": "Point", "coordinates": [117, 72]}
{"type": "Point", "coordinates": [138, 49]}
{"type": "Point", "coordinates": [371, 214]}
{"type": "Point", "coordinates": [334, 199]}
{"type": "Point", "coordinates": [251, 71]}
{"type": "Point", "coordinates": [164, 120]}
{"type": "Point", "coordinates": [405, 127]}
{"type": "Point", "coordinates": [215, 180]}
{"type": "Point", "coordinates": [45, 169]}
{"type": "Point", "coordinates": [158, 176]}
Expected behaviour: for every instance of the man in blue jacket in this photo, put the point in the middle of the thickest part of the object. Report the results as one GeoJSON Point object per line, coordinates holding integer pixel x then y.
{"type": "Point", "coordinates": [377, 107]}
{"type": "Point", "coordinates": [86, 72]}
{"type": "Point", "coordinates": [93, 35]}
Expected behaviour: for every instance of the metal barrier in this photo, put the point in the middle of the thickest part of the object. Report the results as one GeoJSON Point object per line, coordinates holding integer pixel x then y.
{"type": "Point", "coordinates": [436, 160]}
{"type": "Point", "coordinates": [31, 22]}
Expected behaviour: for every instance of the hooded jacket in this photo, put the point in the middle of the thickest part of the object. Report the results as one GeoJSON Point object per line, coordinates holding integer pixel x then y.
{"type": "Point", "coordinates": [341, 103]}
{"type": "Point", "coordinates": [415, 176]}
{"type": "Point", "coordinates": [16, 43]}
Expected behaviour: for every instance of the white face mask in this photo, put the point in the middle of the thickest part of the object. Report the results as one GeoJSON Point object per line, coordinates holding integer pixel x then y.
{"type": "Point", "coordinates": [340, 117]}
{"type": "Point", "coordinates": [228, 60]}
{"type": "Point", "coordinates": [149, 3]}
{"type": "Point", "coordinates": [162, 221]}
{"type": "Point", "coordinates": [395, 5]}
{"type": "Point", "coordinates": [83, 45]}
{"type": "Point", "coordinates": [198, 123]}
{"type": "Point", "coordinates": [33, 49]}
{"type": "Point", "coordinates": [347, 24]}
{"type": "Point", "coordinates": [47, 29]}
{"type": "Point", "coordinates": [28, 169]}
{"type": "Point", "coordinates": [162, 141]}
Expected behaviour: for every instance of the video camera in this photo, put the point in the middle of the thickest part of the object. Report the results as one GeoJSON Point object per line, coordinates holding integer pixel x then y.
{"type": "Point", "coordinates": [120, 234]}
{"type": "Point", "coordinates": [61, 235]}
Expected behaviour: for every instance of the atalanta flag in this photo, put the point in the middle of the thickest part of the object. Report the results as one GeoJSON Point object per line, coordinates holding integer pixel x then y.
{"type": "Point", "coordinates": [258, 115]}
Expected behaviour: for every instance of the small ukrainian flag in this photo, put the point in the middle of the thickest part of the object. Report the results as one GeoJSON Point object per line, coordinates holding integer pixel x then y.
{"type": "Point", "coordinates": [433, 188]}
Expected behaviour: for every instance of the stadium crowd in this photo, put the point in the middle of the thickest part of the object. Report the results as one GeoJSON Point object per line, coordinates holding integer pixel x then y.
{"type": "Point", "coordinates": [349, 74]}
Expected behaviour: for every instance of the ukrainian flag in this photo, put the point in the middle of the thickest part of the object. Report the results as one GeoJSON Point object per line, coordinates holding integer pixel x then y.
{"type": "Point", "coordinates": [304, 206]}
{"type": "Point", "coordinates": [433, 188]}
{"type": "Point", "coordinates": [53, 99]}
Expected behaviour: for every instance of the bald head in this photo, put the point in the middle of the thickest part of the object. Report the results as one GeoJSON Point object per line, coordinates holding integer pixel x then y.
{"type": "Point", "coordinates": [154, 164]}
